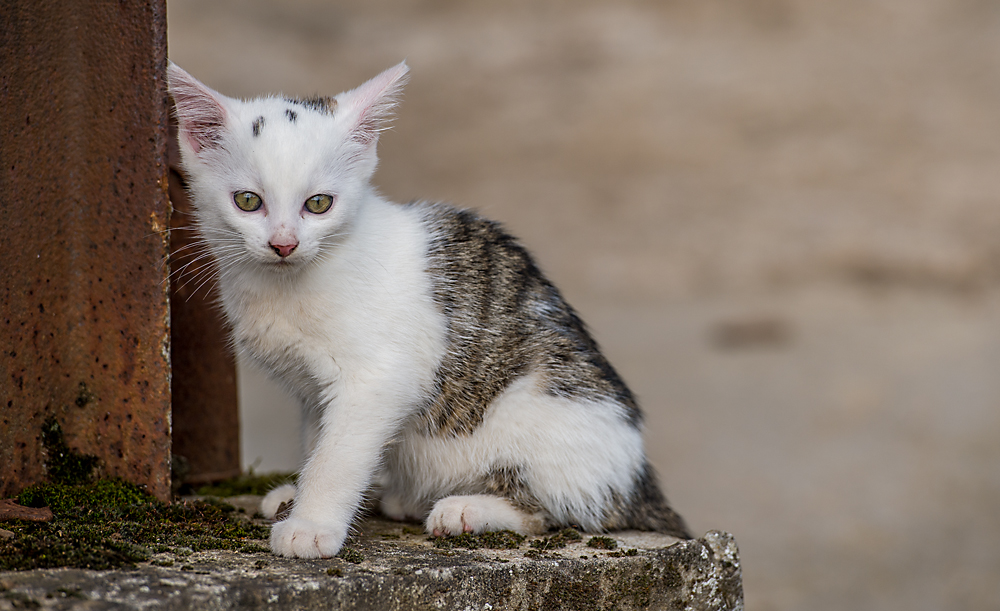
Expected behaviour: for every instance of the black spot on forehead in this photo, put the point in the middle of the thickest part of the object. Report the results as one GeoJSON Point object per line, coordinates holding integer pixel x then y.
{"type": "Point", "coordinates": [323, 104]}
{"type": "Point", "coordinates": [292, 115]}
{"type": "Point", "coordinates": [258, 123]}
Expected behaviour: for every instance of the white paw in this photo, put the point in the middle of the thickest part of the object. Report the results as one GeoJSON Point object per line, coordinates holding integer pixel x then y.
{"type": "Point", "coordinates": [273, 499]}
{"type": "Point", "coordinates": [298, 538]}
{"type": "Point", "coordinates": [454, 515]}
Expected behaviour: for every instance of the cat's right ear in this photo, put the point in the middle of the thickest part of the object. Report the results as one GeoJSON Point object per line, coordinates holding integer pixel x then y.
{"type": "Point", "coordinates": [370, 106]}
{"type": "Point", "coordinates": [201, 115]}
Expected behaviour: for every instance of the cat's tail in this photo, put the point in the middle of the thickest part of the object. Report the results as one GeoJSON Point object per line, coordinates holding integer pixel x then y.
{"type": "Point", "coordinates": [646, 509]}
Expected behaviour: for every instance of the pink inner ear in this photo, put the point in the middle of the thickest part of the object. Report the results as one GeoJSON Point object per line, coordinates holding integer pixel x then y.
{"type": "Point", "coordinates": [201, 135]}
{"type": "Point", "coordinates": [201, 117]}
{"type": "Point", "coordinates": [374, 102]}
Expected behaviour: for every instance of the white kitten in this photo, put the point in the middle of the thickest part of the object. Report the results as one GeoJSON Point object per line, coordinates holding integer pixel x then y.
{"type": "Point", "coordinates": [444, 372]}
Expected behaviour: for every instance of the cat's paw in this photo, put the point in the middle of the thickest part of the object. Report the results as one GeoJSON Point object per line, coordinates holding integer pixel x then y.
{"type": "Point", "coordinates": [273, 500]}
{"type": "Point", "coordinates": [299, 538]}
{"type": "Point", "coordinates": [454, 515]}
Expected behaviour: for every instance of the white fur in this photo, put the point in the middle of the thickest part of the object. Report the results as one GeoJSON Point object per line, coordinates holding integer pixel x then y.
{"type": "Point", "coordinates": [348, 324]}
{"type": "Point", "coordinates": [571, 454]}
{"type": "Point", "coordinates": [359, 337]}
{"type": "Point", "coordinates": [479, 513]}
{"type": "Point", "coordinates": [273, 500]}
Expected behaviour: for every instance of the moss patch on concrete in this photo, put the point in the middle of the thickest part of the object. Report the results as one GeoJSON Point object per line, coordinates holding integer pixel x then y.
{"type": "Point", "coordinates": [111, 523]}
{"type": "Point", "coordinates": [503, 539]}
{"type": "Point", "coordinates": [602, 543]}
{"type": "Point", "coordinates": [558, 540]}
{"type": "Point", "coordinates": [249, 483]}
{"type": "Point", "coordinates": [63, 498]}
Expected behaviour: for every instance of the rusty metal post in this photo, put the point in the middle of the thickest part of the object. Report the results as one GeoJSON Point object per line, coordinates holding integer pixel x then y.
{"type": "Point", "coordinates": [84, 319]}
{"type": "Point", "coordinates": [206, 432]}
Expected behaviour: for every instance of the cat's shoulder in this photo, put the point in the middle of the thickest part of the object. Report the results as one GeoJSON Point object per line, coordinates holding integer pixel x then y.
{"type": "Point", "coordinates": [450, 224]}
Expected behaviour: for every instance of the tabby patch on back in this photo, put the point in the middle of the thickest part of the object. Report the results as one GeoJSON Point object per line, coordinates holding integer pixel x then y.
{"type": "Point", "coordinates": [437, 368]}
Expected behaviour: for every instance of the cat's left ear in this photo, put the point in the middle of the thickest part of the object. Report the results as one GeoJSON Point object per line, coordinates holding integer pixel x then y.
{"type": "Point", "coordinates": [201, 115]}
{"type": "Point", "coordinates": [371, 105]}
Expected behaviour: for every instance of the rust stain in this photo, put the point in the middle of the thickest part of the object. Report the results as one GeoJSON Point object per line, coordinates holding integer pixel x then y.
{"type": "Point", "coordinates": [84, 303]}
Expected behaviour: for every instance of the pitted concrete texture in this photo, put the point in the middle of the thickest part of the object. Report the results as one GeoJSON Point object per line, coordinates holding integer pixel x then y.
{"type": "Point", "coordinates": [392, 566]}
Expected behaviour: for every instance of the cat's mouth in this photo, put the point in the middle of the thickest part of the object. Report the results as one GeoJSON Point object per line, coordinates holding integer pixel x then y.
{"type": "Point", "coordinates": [282, 263]}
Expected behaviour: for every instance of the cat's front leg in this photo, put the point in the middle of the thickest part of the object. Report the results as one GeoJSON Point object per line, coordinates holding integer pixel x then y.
{"type": "Point", "coordinates": [334, 478]}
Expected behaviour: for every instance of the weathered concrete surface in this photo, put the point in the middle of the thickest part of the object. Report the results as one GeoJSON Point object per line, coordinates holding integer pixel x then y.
{"type": "Point", "coordinates": [401, 569]}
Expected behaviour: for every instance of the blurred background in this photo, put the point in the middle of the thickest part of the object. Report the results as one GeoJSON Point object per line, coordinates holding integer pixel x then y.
{"type": "Point", "coordinates": [779, 217]}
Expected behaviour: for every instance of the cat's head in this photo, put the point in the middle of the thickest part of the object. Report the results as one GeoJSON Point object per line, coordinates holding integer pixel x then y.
{"type": "Point", "coordinates": [275, 181]}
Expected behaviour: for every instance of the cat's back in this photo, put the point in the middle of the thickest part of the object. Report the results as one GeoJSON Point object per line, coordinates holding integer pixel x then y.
{"type": "Point", "coordinates": [504, 320]}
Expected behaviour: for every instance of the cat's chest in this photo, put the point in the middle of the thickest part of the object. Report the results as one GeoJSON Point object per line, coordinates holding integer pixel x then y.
{"type": "Point", "coordinates": [287, 331]}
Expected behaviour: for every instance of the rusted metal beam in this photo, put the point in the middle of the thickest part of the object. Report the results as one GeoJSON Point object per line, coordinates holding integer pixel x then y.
{"type": "Point", "coordinates": [206, 431]}
{"type": "Point", "coordinates": [84, 318]}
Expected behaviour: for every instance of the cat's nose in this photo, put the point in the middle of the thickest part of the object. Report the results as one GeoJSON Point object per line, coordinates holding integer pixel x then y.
{"type": "Point", "coordinates": [283, 250]}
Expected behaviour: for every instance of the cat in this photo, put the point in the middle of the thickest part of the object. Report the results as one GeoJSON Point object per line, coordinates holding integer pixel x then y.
{"type": "Point", "coordinates": [442, 371]}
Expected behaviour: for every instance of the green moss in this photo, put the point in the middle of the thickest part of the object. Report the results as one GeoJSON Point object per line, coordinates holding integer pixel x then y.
{"type": "Point", "coordinates": [112, 523]}
{"type": "Point", "coordinates": [64, 466]}
{"type": "Point", "coordinates": [248, 483]}
{"type": "Point", "coordinates": [501, 539]}
{"type": "Point", "coordinates": [351, 555]}
{"type": "Point", "coordinates": [62, 498]}
{"type": "Point", "coordinates": [602, 543]}
{"type": "Point", "coordinates": [559, 540]}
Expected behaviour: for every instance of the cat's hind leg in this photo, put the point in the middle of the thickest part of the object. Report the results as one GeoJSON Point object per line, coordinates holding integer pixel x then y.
{"type": "Point", "coordinates": [273, 500]}
{"type": "Point", "coordinates": [478, 513]}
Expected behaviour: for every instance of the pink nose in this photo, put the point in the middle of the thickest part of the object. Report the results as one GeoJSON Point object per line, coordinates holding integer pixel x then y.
{"type": "Point", "coordinates": [283, 250]}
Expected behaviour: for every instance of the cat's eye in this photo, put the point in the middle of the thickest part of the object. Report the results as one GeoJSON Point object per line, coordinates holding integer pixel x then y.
{"type": "Point", "coordinates": [247, 201]}
{"type": "Point", "coordinates": [318, 204]}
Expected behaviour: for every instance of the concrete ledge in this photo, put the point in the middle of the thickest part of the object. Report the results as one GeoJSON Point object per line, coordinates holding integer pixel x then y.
{"type": "Point", "coordinates": [390, 566]}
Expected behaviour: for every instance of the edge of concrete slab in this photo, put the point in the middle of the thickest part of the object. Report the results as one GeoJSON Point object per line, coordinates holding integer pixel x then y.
{"type": "Point", "coordinates": [392, 566]}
